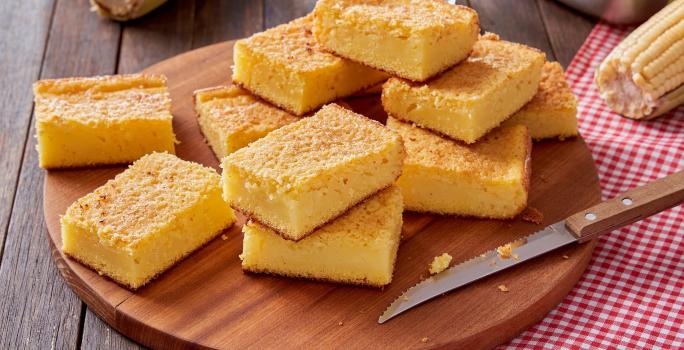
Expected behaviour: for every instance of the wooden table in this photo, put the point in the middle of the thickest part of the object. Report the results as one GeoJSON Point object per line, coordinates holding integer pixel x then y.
{"type": "Point", "coordinates": [43, 39]}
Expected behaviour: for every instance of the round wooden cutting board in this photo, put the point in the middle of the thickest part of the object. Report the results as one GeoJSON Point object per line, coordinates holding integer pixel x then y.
{"type": "Point", "coordinates": [207, 301]}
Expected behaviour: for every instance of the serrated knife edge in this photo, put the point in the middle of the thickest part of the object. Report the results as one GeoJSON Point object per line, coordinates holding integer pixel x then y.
{"type": "Point", "coordinates": [538, 243]}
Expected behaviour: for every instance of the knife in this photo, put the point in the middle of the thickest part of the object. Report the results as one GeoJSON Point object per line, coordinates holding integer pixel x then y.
{"type": "Point", "coordinates": [581, 227]}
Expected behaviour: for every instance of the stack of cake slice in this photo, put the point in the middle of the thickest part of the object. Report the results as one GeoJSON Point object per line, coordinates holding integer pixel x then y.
{"type": "Point", "coordinates": [461, 166]}
{"type": "Point", "coordinates": [450, 92]}
{"type": "Point", "coordinates": [321, 199]}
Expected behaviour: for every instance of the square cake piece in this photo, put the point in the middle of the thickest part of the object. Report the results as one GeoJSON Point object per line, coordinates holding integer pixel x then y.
{"type": "Point", "coordinates": [475, 96]}
{"type": "Point", "coordinates": [552, 112]}
{"type": "Point", "coordinates": [146, 219]}
{"type": "Point", "coordinates": [359, 247]}
{"type": "Point", "coordinates": [287, 67]}
{"type": "Point", "coordinates": [412, 39]}
{"type": "Point", "coordinates": [488, 179]}
{"type": "Point", "coordinates": [307, 173]}
{"type": "Point", "coordinates": [102, 120]}
{"type": "Point", "coordinates": [231, 118]}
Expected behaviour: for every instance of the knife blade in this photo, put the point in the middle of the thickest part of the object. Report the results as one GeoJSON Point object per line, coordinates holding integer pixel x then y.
{"type": "Point", "coordinates": [549, 238]}
{"type": "Point", "coordinates": [583, 226]}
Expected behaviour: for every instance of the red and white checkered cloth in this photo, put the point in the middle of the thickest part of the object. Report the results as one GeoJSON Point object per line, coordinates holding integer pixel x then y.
{"type": "Point", "coordinates": [632, 294]}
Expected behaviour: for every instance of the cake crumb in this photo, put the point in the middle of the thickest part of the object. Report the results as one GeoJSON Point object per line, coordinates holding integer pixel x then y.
{"type": "Point", "coordinates": [440, 263]}
{"type": "Point", "coordinates": [566, 257]}
{"type": "Point", "coordinates": [506, 251]}
{"type": "Point", "coordinates": [424, 340]}
{"type": "Point", "coordinates": [340, 323]}
{"type": "Point", "coordinates": [404, 297]}
{"type": "Point", "coordinates": [224, 237]}
{"type": "Point", "coordinates": [515, 256]}
{"type": "Point", "coordinates": [533, 215]}
{"type": "Point", "coordinates": [492, 263]}
{"type": "Point", "coordinates": [503, 288]}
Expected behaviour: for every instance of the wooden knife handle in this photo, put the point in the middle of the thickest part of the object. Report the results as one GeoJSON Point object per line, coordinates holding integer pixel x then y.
{"type": "Point", "coordinates": [629, 207]}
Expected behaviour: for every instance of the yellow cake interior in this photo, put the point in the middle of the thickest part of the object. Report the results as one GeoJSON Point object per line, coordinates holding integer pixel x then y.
{"type": "Point", "coordinates": [286, 66]}
{"type": "Point", "coordinates": [359, 247]}
{"type": "Point", "coordinates": [487, 179]}
{"type": "Point", "coordinates": [146, 219]}
{"type": "Point", "coordinates": [413, 39]}
{"type": "Point", "coordinates": [475, 96]}
{"type": "Point", "coordinates": [306, 173]}
{"type": "Point", "coordinates": [102, 120]}
{"type": "Point", "coordinates": [231, 118]}
{"type": "Point", "coordinates": [552, 112]}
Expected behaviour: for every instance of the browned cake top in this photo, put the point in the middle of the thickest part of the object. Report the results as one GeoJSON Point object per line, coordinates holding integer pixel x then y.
{"type": "Point", "coordinates": [143, 199]}
{"type": "Point", "coordinates": [554, 91]}
{"type": "Point", "coordinates": [102, 99]}
{"type": "Point", "coordinates": [232, 109]}
{"type": "Point", "coordinates": [293, 45]}
{"type": "Point", "coordinates": [500, 154]}
{"type": "Point", "coordinates": [332, 137]}
{"type": "Point", "coordinates": [411, 15]}
{"type": "Point", "coordinates": [490, 65]}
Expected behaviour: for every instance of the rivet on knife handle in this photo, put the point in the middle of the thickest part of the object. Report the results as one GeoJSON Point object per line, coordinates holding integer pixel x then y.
{"type": "Point", "coordinates": [628, 207]}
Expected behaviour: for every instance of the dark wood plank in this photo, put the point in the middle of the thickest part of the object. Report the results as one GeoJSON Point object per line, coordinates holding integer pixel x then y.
{"type": "Point", "coordinates": [217, 20]}
{"type": "Point", "coordinates": [567, 29]}
{"type": "Point", "coordinates": [163, 33]}
{"type": "Point", "coordinates": [99, 335]}
{"type": "Point", "coordinates": [38, 310]}
{"type": "Point", "coordinates": [514, 20]}
{"type": "Point", "coordinates": [25, 26]}
{"type": "Point", "coordinates": [281, 11]}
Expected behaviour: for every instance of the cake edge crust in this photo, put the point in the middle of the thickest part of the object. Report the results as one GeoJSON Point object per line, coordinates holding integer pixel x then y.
{"type": "Point", "coordinates": [156, 275]}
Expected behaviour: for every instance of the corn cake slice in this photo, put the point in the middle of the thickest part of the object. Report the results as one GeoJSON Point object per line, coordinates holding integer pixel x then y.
{"type": "Point", "coordinates": [102, 120]}
{"type": "Point", "coordinates": [359, 247]}
{"type": "Point", "coordinates": [287, 67]}
{"type": "Point", "coordinates": [413, 39]}
{"type": "Point", "coordinates": [488, 179]}
{"type": "Point", "coordinates": [231, 118]}
{"type": "Point", "coordinates": [552, 112]}
{"type": "Point", "coordinates": [467, 101]}
{"type": "Point", "coordinates": [146, 219]}
{"type": "Point", "coordinates": [305, 174]}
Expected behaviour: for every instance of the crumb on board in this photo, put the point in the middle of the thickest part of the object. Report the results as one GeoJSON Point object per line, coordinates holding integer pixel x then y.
{"type": "Point", "coordinates": [533, 215]}
{"type": "Point", "coordinates": [224, 237]}
{"type": "Point", "coordinates": [492, 263]}
{"type": "Point", "coordinates": [440, 263]}
{"type": "Point", "coordinates": [566, 257]}
{"type": "Point", "coordinates": [404, 298]}
{"type": "Point", "coordinates": [515, 256]}
{"type": "Point", "coordinates": [505, 251]}
{"type": "Point", "coordinates": [340, 323]}
{"type": "Point", "coordinates": [424, 340]}
{"type": "Point", "coordinates": [503, 288]}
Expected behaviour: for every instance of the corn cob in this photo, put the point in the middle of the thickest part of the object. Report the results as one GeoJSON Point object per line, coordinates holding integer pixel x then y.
{"type": "Point", "coordinates": [644, 75]}
{"type": "Point", "coordinates": [124, 10]}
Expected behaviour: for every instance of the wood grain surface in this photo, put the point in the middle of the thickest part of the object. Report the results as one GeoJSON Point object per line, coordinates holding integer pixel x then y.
{"type": "Point", "coordinates": [207, 300]}
{"type": "Point", "coordinates": [39, 311]}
